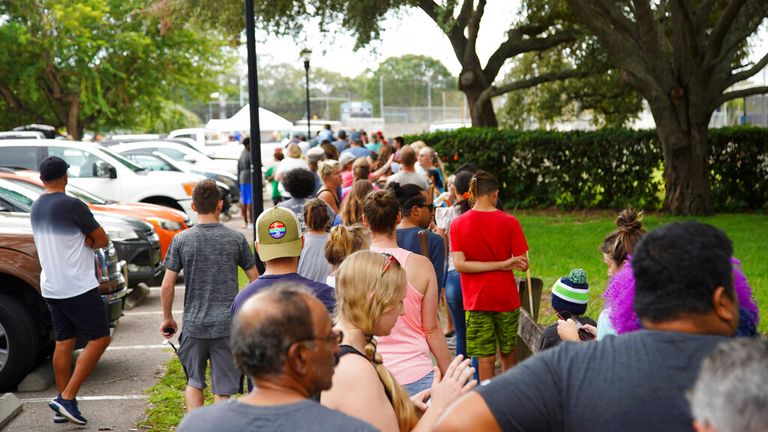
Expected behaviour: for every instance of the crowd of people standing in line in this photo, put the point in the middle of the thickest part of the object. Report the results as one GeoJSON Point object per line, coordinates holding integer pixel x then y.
{"type": "Point", "coordinates": [341, 331]}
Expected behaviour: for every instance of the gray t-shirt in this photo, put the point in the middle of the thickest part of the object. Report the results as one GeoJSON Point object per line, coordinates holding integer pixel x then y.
{"type": "Point", "coordinates": [209, 254]}
{"type": "Point", "coordinates": [244, 167]}
{"type": "Point", "coordinates": [407, 177]}
{"type": "Point", "coordinates": [235, 416]}
{"type": "Point", "coordinates": [635, 382]}
{"type": "Point", "coordinates": [312, 264]}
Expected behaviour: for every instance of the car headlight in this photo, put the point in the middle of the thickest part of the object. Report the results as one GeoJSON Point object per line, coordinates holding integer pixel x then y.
{"type": "Point", "coordinates": [119, 234]}
{"type": "Point", "coordinates": [165, 224]}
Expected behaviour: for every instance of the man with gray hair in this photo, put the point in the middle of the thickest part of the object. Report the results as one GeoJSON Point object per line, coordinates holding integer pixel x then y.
{"type": "Point", "coordinates": [730, 394]}
{"type": "Point", "coordinates": [283, 340]}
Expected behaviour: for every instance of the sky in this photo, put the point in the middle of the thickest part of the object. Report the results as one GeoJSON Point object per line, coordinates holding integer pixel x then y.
{"type": "Point", "coordinates": [408, 32]}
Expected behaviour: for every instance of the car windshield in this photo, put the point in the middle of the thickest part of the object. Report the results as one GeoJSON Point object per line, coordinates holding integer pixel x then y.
{"type": "Point", "coordinates": [14, 195]}
{"type": "Point", "coordinates": [131, 165]}
{"type": "Point", "coordinates": [152, 162]}
{"type": "Point", "coordinates": [73, 191]}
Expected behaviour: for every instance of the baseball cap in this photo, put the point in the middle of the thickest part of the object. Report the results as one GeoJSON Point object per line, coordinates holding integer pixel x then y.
{"type": "Point", "coordinates": [278, 234]}
{"type": "Point", "coordinates": [52, 168]}
{"type": "Point", "coordinates": [346, 157]}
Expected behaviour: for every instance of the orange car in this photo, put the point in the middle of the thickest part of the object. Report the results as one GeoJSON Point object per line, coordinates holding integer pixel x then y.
{"type": "Point", "coordinates": [167, 221]}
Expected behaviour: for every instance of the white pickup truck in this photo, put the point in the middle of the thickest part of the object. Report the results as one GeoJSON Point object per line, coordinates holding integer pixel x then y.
{"type": "Point", "coordinates": [104, 173]}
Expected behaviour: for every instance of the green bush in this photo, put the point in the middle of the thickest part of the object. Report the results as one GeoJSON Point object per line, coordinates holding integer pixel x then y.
{"type": "Point", "coordinates": [608, 168]}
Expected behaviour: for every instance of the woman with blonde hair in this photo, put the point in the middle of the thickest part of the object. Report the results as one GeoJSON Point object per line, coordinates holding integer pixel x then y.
{"type": "Point", "coordinates": [342, 242]}
{"type": "Point", "coordinates": [352, 205]}
{"type": "Point", "coordinates": [370, 291]}
{"type": "Point", "coordinates": [330, 175]}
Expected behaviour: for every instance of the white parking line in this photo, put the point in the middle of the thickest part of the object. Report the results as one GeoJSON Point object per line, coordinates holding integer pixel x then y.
{"type": "Point", "coordinates": [178, 287]}
{"type": "Point", "coordinates": [137, 347]}
{"type": "Point", "coordinates": [90, 398]}
{"type": "Point", "coordinates": [127, 313]}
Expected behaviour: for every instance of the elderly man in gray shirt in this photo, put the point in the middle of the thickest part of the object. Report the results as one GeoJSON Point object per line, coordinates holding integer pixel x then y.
{"type": "Point", "coordinates": [282, 339]}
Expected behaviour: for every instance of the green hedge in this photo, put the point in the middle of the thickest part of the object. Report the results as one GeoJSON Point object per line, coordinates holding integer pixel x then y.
{"type": "Point", "coordinates": [608, 168]}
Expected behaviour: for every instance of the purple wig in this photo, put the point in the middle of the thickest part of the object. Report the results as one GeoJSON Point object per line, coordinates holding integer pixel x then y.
{"type": "Point", "coordinates": [620, 295]}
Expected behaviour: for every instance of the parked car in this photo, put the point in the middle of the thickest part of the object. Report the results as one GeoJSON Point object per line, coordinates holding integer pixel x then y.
{"type": "Point", "coordinates": [166, 221]}
{"type": "Point", "coordinates": [135, 241]}
{"type": "Point", "coordinates": [26, 333]}
{"type": "Point", "coordinates": [230, 191]}
{"type": "Point", "coordinates": [181, 154]}
{"type": "Point", "coordinates": [156, 160]}
{"type": "Point", "coordinates": [6, 135]}
{"type": "Point", "coordinates": [105, 173]}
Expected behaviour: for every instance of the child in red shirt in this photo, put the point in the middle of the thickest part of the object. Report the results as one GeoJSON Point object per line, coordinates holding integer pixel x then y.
{"type": "Point", "coordinates": [487, 245]}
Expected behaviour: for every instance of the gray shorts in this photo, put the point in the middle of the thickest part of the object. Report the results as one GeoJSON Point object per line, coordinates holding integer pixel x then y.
{"type": "Point", "coordinates": [420, 384]}
{"type": "Point", "coordinates": [194, 354]}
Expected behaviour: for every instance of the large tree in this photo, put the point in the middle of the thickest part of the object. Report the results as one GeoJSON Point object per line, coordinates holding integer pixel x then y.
{"type": "Point", "coordinates": [683, 57]}
{"type": "Point", "coordinates": [545, 25]}
{"type": "Point", "coordinates": [98, 64]}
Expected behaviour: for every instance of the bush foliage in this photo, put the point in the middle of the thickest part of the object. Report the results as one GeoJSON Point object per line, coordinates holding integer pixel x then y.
{"type": "Point", "coordinates": [608, 168]}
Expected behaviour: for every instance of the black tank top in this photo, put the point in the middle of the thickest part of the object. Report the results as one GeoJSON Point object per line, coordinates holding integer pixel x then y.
{"type": "Point", "coordinates": [348, 349]}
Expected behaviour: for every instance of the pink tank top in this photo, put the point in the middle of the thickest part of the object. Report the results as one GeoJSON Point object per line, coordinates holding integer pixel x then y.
{"type": "Point", "coordinates": [405, 351]}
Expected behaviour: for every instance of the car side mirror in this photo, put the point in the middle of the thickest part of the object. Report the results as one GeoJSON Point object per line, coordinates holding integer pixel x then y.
{"type": "Point", "coordinates": [103, 169]}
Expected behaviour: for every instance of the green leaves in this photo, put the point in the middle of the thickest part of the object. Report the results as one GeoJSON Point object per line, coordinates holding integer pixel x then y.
{"type": "Point", "coordinates": [609, 168]}
{"type": "Point", "coordinates": [114, 61]}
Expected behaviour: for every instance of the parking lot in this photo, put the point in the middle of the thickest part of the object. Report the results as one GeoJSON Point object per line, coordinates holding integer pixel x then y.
{"type": "Point", "coordinates": [113, 398]}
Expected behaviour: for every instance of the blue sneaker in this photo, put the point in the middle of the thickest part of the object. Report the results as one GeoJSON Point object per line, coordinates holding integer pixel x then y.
{"type": "Point", "coordinates": [68, 409]}
{"type": "Point", "coordinates": [58, 418]}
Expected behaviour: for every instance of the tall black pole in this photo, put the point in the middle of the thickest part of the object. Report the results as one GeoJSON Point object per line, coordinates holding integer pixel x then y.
{"type": "Point", "coordinates": [257, 194]}
{"type": "Point", "coordinates": [306, 73]}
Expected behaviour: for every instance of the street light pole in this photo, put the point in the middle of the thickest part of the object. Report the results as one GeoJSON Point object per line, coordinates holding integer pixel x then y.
{"type": "Point", "coordinates": [257, 197]}
{"type": "Point", "coordinates": [305, 53]}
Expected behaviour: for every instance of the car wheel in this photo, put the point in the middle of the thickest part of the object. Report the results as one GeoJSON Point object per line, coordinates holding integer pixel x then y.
{"type": "Point", "coordinates": [19, 344]}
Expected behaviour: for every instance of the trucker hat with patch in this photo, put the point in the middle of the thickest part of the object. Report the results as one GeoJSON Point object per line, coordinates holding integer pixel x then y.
{"type": "Point", "coordinates": [278, 234]}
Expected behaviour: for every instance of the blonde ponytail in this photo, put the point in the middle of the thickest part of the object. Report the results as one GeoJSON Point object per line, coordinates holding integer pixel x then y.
{"type": "Point", "coordinates": [363, 293]}
{"type": "Point", "coordinates": [473, 191]}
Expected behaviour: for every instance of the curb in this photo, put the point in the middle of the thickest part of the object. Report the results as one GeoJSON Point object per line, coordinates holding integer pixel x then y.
{"type": "Point", "coordinates": [10, 407]}
{"type": "Point", "coordinates": [136, 296]}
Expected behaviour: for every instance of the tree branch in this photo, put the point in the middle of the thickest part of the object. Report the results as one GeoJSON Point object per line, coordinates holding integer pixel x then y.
{"type": "Point", "coordinates": [722, 27]}
{"type": "Point", "coordinates": [494, 91]}
{"type": "Point", "coordinates": [515, 45]}
{"type": "Point", "coordinates": [473, 28]}
{"type": "Point", "coordinates": [12, 102]}
{"type": "Point", "coordinates": [465, 13]}
{"type": "Point", "coordinates": [741, 76]}
{"type": "Point", "coordinates": [741, 93]}
{"type": "Point", "coordinates": [455, 34]}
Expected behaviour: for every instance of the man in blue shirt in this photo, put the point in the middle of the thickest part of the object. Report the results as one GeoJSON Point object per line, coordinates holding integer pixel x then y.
{"type": "Point", "coordinates": [417, 213]}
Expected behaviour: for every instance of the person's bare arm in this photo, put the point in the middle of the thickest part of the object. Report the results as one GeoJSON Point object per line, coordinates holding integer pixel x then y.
{"type": "Point", "coordinates": [252, 273]}
{"type": "Point", "coordinates": [464, 266]}
{"type": "Point", "coordinates": [97, 239]}
{"type": "Point", "coordinates": [381, 171]}
{"type": "Point", "coordinates": [469, 413]}
{"type": "Point", "coordinates": [430, 322]}
{"type": "Point", "coordinates": [358, 392]}
{"type": "Point", "coordinates": [166, 298]}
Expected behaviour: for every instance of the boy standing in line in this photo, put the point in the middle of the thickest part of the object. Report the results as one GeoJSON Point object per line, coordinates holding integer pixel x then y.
{"type": "Point", "coordinates": [487, 245]}
{"type": "Point", "coordinates": [209, 254]}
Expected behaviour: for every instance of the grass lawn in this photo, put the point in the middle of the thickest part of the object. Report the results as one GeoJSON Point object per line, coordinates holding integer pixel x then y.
{"type": "Point", "coordinates": [558, 242]}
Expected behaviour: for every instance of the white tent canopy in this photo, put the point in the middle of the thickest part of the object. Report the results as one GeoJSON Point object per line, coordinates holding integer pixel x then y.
{"type": "Point", "coordinates": [241, 122]}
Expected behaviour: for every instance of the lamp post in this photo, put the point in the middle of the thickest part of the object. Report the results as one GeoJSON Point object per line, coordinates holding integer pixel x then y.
{"type": "Point", "coordinates": [253, 101]}
{"type": "Point", "coordinates": [305, 54]}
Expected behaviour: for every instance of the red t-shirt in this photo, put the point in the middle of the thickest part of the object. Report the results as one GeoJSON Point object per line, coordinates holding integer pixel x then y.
{"type": "Point", "coordinates": [488, 236]}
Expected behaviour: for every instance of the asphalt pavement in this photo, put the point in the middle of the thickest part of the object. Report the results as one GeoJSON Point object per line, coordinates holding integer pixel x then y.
{"type": "Point", "coordinates": [113, 398]}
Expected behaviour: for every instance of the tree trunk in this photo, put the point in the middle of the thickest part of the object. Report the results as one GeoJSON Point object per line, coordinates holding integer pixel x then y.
{"type": "Point", "coordinates": [686, 170]}
{"type": "Point", "coordinates": [74, 128]}
{"type": "Point", "coordinates": [471, 82]}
